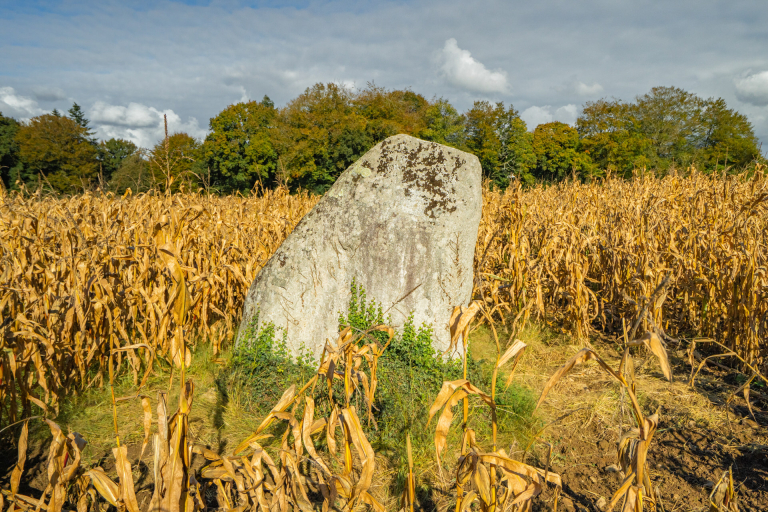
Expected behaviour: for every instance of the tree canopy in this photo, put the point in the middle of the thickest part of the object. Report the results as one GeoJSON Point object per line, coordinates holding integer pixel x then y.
{"type": "Point", "coordinates": [172, 162]}
{"type": "Point", "coordinates": [112, 152]}
{"type": "Point", "coordinates": [240, 151]}
{"type": "Point", "coordinates": [501, 141]}
{"type": "Point", "coordinates": [558, 153]}
{"type": "Point", "coordinates": [667, 127]}
{"type": "Point", "coordinates": [59, 151]}
{"type": "Point", "coordinates": [10, 161]}
{"type": "Point", "coordinates": [309, 141]}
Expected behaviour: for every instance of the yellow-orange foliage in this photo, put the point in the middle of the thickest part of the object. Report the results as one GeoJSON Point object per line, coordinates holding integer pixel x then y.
{"type": "Point", "coordinates": [76, 273]}
{"type": "Point", "coordinates": [592, 256]}
{"type": "Point", "coordinates": [79, 273]}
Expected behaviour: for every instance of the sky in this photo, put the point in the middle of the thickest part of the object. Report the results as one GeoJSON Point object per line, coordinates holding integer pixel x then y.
{"type": "Point", "coordinates": [129, 62]}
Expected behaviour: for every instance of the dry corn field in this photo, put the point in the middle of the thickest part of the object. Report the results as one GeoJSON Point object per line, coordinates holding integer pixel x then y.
{"type": "Point", "coordinates": [94, 286]}
{"type": "Point", "coordinates": [682, 257]}
{"type": "Point", "coordinates": [338, 479]}
{"type": "Point", "coordinates": [80, 273]}
{"type": "Point", "coordinates": [679, 256]}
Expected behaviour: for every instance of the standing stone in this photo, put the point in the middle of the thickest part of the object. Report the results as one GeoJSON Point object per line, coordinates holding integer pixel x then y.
{"type": "Point", "coordinates": [402, 221]}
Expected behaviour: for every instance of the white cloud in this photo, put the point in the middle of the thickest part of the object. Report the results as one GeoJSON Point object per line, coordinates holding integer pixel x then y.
{"type": "Point", "coordinates": [567, 114]}
{"type": "Point", "coordinates": [583, 89]}
{"type": "Point", "coordinates": [753, 88]}
{"type": "Point", "coordinates": [349, 85]}
{"type": "Point", "coordinates": [140, 124]}
{"type": "Point", "coordinates": [535, 115]}
{"type": "Point", "coordinates": [135, 115]}
{"type": "Point", "coordinates": [462, 70]}
{"type": "Point", "coordinates": [194, 58]}
{"type": "Point", "coordinates": [244, 96]}
{"type": "Point", "coordinates": [16, 105]}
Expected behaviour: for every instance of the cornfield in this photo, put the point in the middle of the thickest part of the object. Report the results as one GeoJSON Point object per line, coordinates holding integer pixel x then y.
{"type": "Point", "coordinates": [678, 256]}
{"type": "Point", "coordinates": [78, 274]}
{"type": "Point", "coordinates": [685, 257]}
{"type": "Point", "coordinates": [251, 479]}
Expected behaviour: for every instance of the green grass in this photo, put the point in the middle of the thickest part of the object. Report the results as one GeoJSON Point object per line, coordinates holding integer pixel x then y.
{"type": "Point", "coordinates": [90, 412]}
{"type": "Point", "coordinates": [232, 399]}
{"type": "Point", "coordinates": [410, 375]}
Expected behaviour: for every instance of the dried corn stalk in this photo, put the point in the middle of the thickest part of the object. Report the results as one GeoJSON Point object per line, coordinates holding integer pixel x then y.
{"type": "Point", "coordinates": [634, 445]}
{"type": "Point", "coordinates": [587, 256]}
{"type": "Point", "coordinates": [490, 478]}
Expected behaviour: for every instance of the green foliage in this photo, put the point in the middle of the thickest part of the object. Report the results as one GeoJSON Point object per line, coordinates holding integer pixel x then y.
{"type": "Point", "coordinates": [262, 365]}
{"type": "Point", "coordinates": [516, 155]}
{"type": "Point", "coordinates": [77, 115]}
{"type": "Point", "coordinates": [558, 154]}
{"type": "Point", "coordinates": [610, 135]}
{"type": "Point", "coordinates": [729, 139]}
{"type": "Point", "coordinates": [410, 374]}
{"type": "Point", "coordinates": [309, 142]}
{"type": "Point", "coordinates": [481, 135]}
{"type": "Point", "coordinates": [10, 161]}
{"type": "Point", "coordinates": [411, 345]}
{"type": "Point", "coordinates": [133, 173]}
{"type": "Point", "coordinates": [667, 127]}
{"type": "Point", "coordinates": [444, 124]}
{"type": "Point", "coordinates": [267, 102]}
{"type": "Point", "coordinates": [671, 119]}
{"type": "Point", "coordinates": [322, 133]}
{"type": "Point", "coordinates": [500, 139]}
{"type": "Point", "coordinates": [171, 162]}
{"type": "Point", "coordinates": [240, 150]}
{"type": "Point", "coordinates": [328, 127]}
{"type": "Point", "coordinates": [58, 148]}
{"type": "Point", "coordinates": [388, 113]}
{"type": "Point", "coordinates": [112, 153]}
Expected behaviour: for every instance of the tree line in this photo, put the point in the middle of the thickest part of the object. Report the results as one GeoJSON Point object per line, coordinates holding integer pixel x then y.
{"type": "Point", "coordinates": [308, 142]}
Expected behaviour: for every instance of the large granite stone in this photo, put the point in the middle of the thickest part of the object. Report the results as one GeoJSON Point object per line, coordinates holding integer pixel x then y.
{"type": "Point", "coordinates": [402, 221]}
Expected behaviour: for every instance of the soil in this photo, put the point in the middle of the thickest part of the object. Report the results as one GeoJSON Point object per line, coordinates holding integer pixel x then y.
{"type": "Point", "coordinates": [684, 464]}
{"type": "Point", "coordinates": [695, 444]}
{"type": "Point", "coordinates": [35, 479]}
{"type": "Point", "coordinates": [703, 432]}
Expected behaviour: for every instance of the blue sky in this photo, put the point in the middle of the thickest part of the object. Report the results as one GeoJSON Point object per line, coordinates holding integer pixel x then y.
{"type": "Point", "coordinates": [127, 63]}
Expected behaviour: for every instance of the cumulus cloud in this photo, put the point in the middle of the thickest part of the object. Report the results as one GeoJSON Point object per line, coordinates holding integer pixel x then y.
{"type": "Point", "coordinates": [753, 88]}
{"type": "Point", "coordinates": [583, 89]}
{"type": "Point", "coordinates": [16, 105]}
{"type": "Point", "coordinates": [535, 115]}
{"type": "Point", "coordinates": [567, 114]}
{"type": "Point", "coordinates": [140, 124]}
{"type": "Point", "coordinates": [162, 57]}
{"type": "Point", "coordinates": [463, 71]}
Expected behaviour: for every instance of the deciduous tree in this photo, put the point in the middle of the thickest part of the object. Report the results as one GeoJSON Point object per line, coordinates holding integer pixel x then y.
{"type": "Point", "coordinates": [133, 173]}
{"type": "Point", "coordinates": [728, 139]}
{"type": "Point", "coordinates": [111, 155]}
{"type": "Point", "coordinates": [240, 151]}
{"type": "Point", "coordinates": [59, 149]}
{"type": "Point", "coordinates": [500, 140]}
{"type": "Point", "coordinates": [171, 162]}
{"type": "Point", "coordinates": [558, 155]}
{"type": "Point", "coordinates": [319, 134]}
{"type": "Point", "coordinates": [671, 119]}
{"type": "Point", "coordinates": [611, 136]}
{"type": "Point", "coordinates": [10, 162]}
{"type": "Point", "coordinates": [444, 124]}
{"type": "Point", "coordinates": [389, 113]}
{"type": "Point", "coordinates": [664, 128]}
